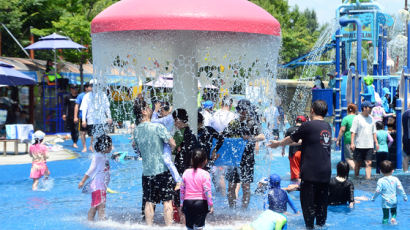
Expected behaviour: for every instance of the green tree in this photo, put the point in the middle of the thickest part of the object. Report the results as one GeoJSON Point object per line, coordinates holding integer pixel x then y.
{"type": "Point", "coordinates": [299, 29]}
{"type": "Point", "coordinates": [11, 15]}
{"type": "Point", "coordinates": [42, 17]}
{"type": "Point", "coordinates": [75, 22]}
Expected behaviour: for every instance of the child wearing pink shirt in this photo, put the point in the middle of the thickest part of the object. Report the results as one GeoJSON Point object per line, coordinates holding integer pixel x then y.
{"type": "Point", "coordinates": [195, 192]}
{"type": "Point", "coordinates": [38, 152]}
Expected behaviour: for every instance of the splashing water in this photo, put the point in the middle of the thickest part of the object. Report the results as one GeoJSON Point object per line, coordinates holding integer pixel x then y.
{"type": "Point", "coordinates": [181, 67]}
{"type": "Point", "coordinates": [45, 184]}
{"type": "Point", "coordinates": [301, 99]}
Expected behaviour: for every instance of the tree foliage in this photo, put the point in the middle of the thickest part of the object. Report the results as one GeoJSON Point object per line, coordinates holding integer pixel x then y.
{"type": "Point", "coordinates": [299, 29]}
{"type": "Point", "coordinates": [70, 18]}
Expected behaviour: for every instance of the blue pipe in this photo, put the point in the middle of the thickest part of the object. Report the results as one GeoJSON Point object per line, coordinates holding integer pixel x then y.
{"type": "Point", "coordinates": [408, 44]}
{"type": "Point", "coordinates": [344, 114]}
{"type": "Point", "coordinates": [345, 22]}
{"type": "Point", "coordinates": [359, 82]}
{"type": "Point", "coordinates": [399, 134]}
{"type": "Point", "coordinates": [406, 89]}
{"type": "Point", "coordinates": [364, 67]}
{"type": "Point", "coordinates": [337, 86]}
{"type": "Point", "coordinates": [380, 49]}
{"type": "Point", "coordinates": [405, 70]}
{"type": "Point", "coordinates": [353, 87]}
{"type": "Point", "coordinates": [385, 52]}
{"type": "Point", "coordinates": [343, 57]}
{"type": "Point", "coordinates": [375, 69]}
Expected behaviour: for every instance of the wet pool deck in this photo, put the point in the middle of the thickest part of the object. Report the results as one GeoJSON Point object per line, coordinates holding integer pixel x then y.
{"type": "Point", "coordinates": [23, 158]}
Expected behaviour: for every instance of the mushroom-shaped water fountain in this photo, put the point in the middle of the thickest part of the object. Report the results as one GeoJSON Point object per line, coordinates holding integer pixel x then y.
{"type": "Point", "coordinates": [134, 37]}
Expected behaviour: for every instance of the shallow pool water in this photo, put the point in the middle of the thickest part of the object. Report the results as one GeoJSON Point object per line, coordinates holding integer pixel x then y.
{"type": "Point", "coordinates": [61, 205]}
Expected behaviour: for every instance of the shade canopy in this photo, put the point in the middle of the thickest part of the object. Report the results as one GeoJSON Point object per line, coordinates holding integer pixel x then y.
{"type": "Point", "coordinates": [54, 41]}
{"type": "Point", "coordinates": [12, 77]}
{"type": "Point", "coordinates": [198, 15]}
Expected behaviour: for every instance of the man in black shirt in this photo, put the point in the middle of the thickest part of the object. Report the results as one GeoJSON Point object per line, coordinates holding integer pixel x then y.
{"type": "Point", "coordinates": [315, 164]}
{"type": "Point", "coordinates": [68, 114]}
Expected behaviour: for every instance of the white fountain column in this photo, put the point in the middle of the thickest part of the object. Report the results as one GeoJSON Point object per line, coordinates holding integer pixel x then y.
{"type": "Point", "coordinates": [185, 90]}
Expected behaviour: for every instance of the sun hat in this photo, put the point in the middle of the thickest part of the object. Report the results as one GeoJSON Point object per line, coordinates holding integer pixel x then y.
{"type": "Point", "coordinates": [39, 135]}
{"type": "Point", "coordinates": [92, 82]}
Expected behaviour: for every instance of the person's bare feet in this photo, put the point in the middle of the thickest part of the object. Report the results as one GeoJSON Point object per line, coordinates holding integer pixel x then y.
{"type": "Point", "coordinates": [84, 150]}
{"type": "Point", "coordinates": [75, 145]}
{"type": "Point", "coordinates": [91, 149]}
{"type": "Point", "coordinates": [393, 221]}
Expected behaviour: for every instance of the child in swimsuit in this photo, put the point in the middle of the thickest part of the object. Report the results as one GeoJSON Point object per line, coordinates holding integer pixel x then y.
{"type": "Point", "coordinates": [99, 172]}
{"type": "Point", "coordinates": [277, 198]}
{"type": "Point", "coordinates": [38, 152]}
{"type": "Point", "coordinates": [388, 186]}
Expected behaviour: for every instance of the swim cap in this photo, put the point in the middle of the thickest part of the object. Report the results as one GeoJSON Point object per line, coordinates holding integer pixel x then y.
{"type": "Point", "coordinates": [274, 180]}
{"type": "Point", "coordinates": [208, 104]}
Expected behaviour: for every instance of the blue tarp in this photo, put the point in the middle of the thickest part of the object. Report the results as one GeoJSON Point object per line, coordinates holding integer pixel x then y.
{"type": "Point", "coordinates": [231, 151]}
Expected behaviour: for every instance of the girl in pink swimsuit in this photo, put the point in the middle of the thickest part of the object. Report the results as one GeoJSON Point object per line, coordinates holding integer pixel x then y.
{"type": "Point", "coordinates": [38, 152]}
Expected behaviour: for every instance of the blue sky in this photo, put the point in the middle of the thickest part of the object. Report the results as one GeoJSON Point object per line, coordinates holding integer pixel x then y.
{"type": "Point", "coordinates": [325, 9]}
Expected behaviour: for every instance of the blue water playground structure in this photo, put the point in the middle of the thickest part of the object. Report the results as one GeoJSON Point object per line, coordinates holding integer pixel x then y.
{"type": "Point", "coordinates": [360, 22]}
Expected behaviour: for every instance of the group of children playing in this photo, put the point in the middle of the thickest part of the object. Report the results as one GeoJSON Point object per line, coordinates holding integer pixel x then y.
{"type": "Point", "coordinates": [195, 193]}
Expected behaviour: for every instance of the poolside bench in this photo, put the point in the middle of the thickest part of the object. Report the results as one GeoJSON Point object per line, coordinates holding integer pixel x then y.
{"type": "Point", "coordinates": [16, 145]}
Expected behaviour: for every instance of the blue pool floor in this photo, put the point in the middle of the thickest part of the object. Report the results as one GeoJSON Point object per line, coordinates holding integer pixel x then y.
{"type": "Point", "coordinates": [61, 205]}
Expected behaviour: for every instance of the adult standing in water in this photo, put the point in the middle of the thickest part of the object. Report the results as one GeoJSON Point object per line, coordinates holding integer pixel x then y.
{"type": "Point", "coordinates": [315, 164]}
{"type": "Point", "coordinates": [219, 121]}
{"type": "Point", "coordinates": [345, 132]}
{"type": "Point", "coordinates": [186, 142]}
{"type": "Point", "coordinates": [68, 113]}
{"type": "Point", "coordinates": [78, 115]}
{"type": "Point", "coordinates": [247, 128]}
{"type": "Point", "coordinates": [157, 182]}
{"type": "Point", "coordinates": [364, 139]}
{"type": "Point", "coordinates": [96, 113]}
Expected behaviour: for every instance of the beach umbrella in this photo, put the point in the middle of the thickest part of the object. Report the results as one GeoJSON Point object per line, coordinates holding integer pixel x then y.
{"type": "Point", "coordinates": [10, 76]}
{"type": "Point", "coordinates": [53, 42]}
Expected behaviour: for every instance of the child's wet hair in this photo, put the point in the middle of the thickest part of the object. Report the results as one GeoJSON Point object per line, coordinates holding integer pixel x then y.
{"type": "Point", "coordinates": [342, 169]}
{"type": "Point", "coordinates": [379, 125]}
{"type": "Point", "coordinates": [198, 158]}
{"type": "Point", "coordinates": [386, 167]}
{"type": "Point", "coordinates": [102, 143]}
{"type": "Point", "coordinates": [139, 106]}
